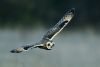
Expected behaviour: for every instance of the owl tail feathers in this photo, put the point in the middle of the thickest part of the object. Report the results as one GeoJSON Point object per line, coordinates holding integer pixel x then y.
{"type": "Point", "coordinates": [22, 49]}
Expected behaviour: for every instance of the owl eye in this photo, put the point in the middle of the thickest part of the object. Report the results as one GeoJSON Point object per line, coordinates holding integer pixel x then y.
{"type": "Point", "coordinates": [49, 44]}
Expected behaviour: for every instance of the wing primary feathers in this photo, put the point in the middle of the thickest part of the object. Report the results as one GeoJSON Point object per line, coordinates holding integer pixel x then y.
{"type": "Point", "coordinates": [60, 25]}
{"type": "Point", "coordinates": [22, 49]}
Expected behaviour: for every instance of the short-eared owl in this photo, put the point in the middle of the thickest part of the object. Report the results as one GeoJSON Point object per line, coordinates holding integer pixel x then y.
{"type": "Point", "coordinates": [47, 40]}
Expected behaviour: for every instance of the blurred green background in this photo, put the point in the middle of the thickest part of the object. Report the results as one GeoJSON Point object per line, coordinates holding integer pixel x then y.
{"type": "Point", "coordinates": [26, 21]}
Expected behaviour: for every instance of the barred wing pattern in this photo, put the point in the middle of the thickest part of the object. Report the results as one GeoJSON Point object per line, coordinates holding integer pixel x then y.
{"type": "Point", "coordinates": [60, 25]}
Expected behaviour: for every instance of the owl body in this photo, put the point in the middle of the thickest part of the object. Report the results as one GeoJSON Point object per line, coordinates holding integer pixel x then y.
{"type": "Point", "coordinates": [46, 44]}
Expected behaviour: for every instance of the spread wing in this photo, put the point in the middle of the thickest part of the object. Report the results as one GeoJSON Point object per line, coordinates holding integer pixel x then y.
{"type": "Point", "coordinates": [60, 25]}
{"type": "Point", "coordinates": [22, 48]}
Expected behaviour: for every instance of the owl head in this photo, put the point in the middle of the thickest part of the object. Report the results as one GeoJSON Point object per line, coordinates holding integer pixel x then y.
{"type": "Point", "coordinates": [49, 45]}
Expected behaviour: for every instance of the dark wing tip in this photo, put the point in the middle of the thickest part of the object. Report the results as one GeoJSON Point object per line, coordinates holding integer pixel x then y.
{"type": "Point", "coordinates": [72, 11]}
{"type": "Point", "coordinates": [12, 51]}
{"type": "Point", "coordinates": [18, 50]}
{"type": "Point", "coordinates": [15, 51]}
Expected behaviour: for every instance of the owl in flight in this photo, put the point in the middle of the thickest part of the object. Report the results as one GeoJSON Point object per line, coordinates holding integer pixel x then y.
{"type": "Point", "coordinates": [47, 40]}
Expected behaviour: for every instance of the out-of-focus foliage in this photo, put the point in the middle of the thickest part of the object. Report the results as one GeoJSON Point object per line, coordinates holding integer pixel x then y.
{"type": "Point", "coordinates": [30, 12]}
